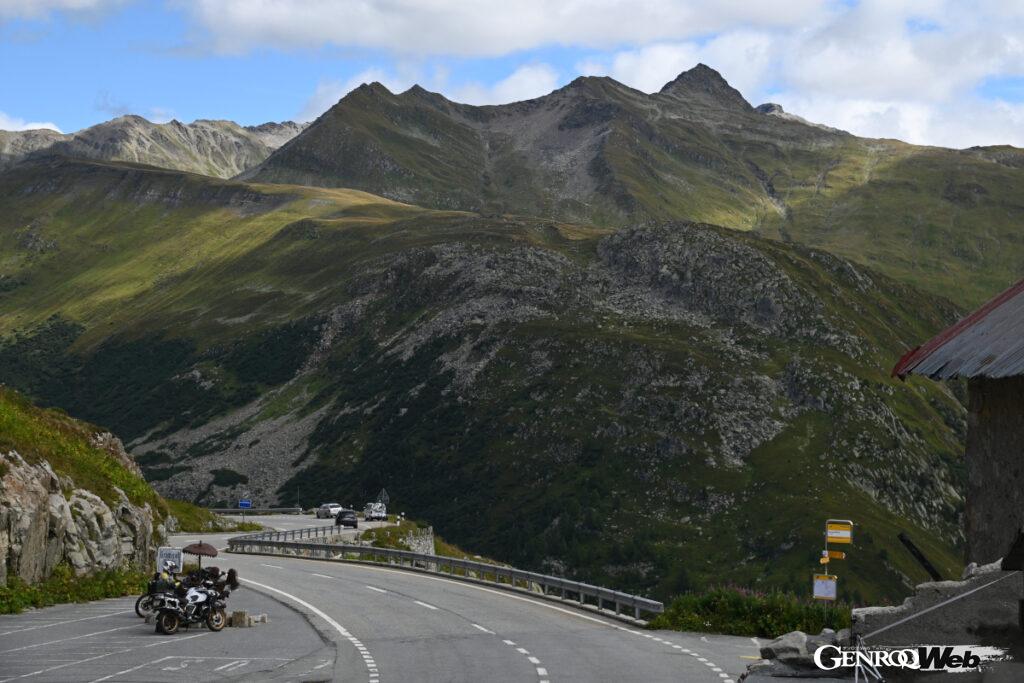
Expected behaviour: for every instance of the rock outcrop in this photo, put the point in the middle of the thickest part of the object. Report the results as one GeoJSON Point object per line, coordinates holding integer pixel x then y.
{"type": "Point", "coordinates": [45, 520]}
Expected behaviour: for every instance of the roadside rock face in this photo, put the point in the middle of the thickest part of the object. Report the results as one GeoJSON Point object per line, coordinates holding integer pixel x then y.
{"type": "Point", "coordinates": [45, 519]}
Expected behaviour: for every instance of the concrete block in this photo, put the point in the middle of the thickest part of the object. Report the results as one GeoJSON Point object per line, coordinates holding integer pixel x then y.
{"type": "Point", "coordinates": [239, 619]}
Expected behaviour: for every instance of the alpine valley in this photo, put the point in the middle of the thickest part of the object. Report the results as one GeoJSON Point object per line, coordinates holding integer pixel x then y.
{"type": "Point", "coordinates": [643, 340]}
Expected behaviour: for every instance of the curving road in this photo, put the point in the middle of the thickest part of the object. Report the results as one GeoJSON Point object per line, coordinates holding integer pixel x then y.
{"type": "Point", "coordinates": [393, 625]}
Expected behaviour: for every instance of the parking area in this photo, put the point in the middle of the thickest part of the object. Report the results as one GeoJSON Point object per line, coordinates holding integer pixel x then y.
{"type": "Point", "coordinates": [106, 641]}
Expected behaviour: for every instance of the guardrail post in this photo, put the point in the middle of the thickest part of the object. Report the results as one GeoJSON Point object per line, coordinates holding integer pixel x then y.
{"type": "Point", "coordinates": [636, 612]}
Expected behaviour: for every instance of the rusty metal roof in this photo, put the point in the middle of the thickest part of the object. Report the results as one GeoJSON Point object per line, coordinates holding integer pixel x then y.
{"type": "Point", "coordinates": [987, 343]}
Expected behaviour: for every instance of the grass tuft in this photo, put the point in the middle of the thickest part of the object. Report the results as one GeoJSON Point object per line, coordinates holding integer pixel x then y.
{"type": "Point", "coordinates": [740, 612]}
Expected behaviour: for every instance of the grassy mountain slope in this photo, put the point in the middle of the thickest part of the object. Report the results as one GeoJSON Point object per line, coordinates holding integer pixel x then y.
{"type": "Point", "coordinates": [599, 152]}
{"type": "Point", "coordinates": [652, 408]}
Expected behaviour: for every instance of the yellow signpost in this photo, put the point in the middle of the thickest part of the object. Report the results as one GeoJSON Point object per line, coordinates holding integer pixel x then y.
{"type": "Point", "coordinates": [839, 531]}
{"type": "Point", "coordinates": [836, 531]}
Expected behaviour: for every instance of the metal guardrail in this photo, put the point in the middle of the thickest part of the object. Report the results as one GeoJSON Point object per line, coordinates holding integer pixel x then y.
{"type": "Point", "coordinates": [256, 511]}
{"type": "Point", "coordinates": [314, 542]}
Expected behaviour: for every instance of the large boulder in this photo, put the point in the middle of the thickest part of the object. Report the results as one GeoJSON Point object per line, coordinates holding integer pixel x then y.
{"type": "Point", "coordinates": [46, 520]}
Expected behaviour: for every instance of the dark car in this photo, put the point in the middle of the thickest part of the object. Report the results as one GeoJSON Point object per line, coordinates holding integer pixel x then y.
{"type": "Point", "coordinates": [347, 518]}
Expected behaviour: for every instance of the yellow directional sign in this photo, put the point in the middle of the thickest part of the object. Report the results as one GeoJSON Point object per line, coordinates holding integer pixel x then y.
{"type": "Point", "coordinates": [823, 560]}
{"type": "Point", "coordinates": [839, 531]}
{"type": "Point", "coordinates": [825, 586]}
{"type": "Point", "coordinates": [834, 554]}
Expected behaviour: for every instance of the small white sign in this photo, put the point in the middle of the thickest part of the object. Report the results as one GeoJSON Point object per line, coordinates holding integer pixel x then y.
{"type": "Point", "coordinates": [825, 586]}
{"type": "Point", "coordinates": [167, 553]}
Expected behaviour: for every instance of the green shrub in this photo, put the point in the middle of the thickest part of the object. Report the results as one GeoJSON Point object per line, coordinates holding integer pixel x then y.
{"type": "Point", "coordinates": [228, 477]}
{"type": "Point", "coordinates": [194, 519]}
{"type": "Point", "coordinates": [740, 612]}
{"type": "Point", "coordinates": [64, 586]}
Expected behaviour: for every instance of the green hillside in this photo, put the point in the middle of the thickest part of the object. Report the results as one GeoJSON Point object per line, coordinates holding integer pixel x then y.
{"type": "Point", "coordinates": [653, 408]}
{"type": "Point", "coordinates": [597, 151]}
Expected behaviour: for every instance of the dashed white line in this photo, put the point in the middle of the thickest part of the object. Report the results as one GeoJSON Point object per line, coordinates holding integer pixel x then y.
{"type": "Point", "coordinates": [371, 665]}
{"type": "Point", "coordinates": [478, 626]}
{"type": "Point", "coordinates": [379, 590]}
{"type": "Point", "coordinates": [323, 576]}
{"type": "Point", "coordinates": [272, 566]}
{"type": "Point", "coordinates": [424, 604]}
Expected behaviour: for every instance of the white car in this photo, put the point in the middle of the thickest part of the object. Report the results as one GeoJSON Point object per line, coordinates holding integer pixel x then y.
{"type": "Point", "coordinates": [328, 511]}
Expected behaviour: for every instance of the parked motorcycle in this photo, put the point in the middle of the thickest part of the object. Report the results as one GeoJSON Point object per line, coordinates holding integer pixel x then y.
{"type": "Point", "coordinates": [163, 581]}
{"type": "Point", "coordinates": [204, 601]}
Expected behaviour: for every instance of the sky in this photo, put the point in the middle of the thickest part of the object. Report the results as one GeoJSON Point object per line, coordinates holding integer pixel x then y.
{"type": "Point", "coordinates": [940, 72]}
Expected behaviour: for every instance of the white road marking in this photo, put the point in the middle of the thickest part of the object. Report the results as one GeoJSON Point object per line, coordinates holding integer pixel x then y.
{"type": "Point", "coordinates": [424, 604]}
{"type": "Point", "coordinates": [512, 596]}
{"type": "Point", "coordinates": [61, 623]}
{"type": "Point", "coordinates": [323, 576]}
{"type": "Point", "coordinates": [478, 626]}
{"type": "Point", "coordinates": [224, 666]}
{"type": "Point", "coordinates": [108, 654]}
{"type": "Point", "coordinates": [323, 615]}
{"type": "Point", "coordinates": [533, 660]}
{"type": "Point", "coordinates": [272, 566]}
{"type": "Point", "coordinates": [541, 671]}
{"type": "Point", "coordinates": [64, 640]}
{"type": "Point", "coordinates": [379, 590]}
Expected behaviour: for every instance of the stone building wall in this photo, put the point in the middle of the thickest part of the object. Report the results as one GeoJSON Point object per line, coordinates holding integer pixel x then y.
{"type": "Point", "coordinates": [995, 467]}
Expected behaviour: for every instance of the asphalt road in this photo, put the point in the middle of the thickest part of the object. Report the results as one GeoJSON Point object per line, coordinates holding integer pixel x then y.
{"type": "Point", "coordinates": [106, 641]}
{"type": "Point", "coordinates": [332, 621]}
{"type": "Point", "coordinates": [415, 627]}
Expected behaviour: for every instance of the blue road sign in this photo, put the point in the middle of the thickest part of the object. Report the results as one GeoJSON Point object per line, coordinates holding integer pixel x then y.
{"type": "Point", "coordinates": [245, 503]}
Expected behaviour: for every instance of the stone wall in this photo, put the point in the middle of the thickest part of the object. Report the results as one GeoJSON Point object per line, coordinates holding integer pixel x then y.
{"type": "Point", "coordinates": [989, 616]}
{"type": "Point", "coordinates": [45, 519]}
{"type": "Point", "coordinates": [995, 467]}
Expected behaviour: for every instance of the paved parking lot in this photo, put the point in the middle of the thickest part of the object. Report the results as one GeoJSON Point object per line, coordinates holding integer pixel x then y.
{"type": "Point", "coordinates": [106, 641]}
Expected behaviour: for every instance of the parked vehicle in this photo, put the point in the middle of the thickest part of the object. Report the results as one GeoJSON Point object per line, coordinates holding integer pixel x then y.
{"type": "Point", "coordinates": [375, 512]}
{"type": "Point", "coordinates": [205, 603]}
{"type": "Point", "coordinates": [163, 581]}
{"type": "Point", "coordinates": [328, 510]}
{"type": "Point", "coordinates": [347, 518]}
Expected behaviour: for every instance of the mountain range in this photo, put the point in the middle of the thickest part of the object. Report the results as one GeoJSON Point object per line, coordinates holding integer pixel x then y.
{"type": "Point", "coordinates": [216, 148]}
{"type": "Point", "coordinates": [523, 322]}
{"type": "Point", "coordinates": [597, 151]}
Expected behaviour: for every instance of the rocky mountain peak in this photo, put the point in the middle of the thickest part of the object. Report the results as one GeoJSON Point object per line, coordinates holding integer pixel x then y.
{"type": "Point", "coordinates": [705, 85]}
{"type": "Point", "coordinates": [769, 108]}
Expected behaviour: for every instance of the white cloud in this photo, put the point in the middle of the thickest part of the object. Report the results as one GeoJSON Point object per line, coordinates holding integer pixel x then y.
{"type": "Point", "coordinates": [526, 82]}
{"type": "Point", "coordinates": [14, 123]}
{"type": "Point", "coordinates": [39, 9]}
{"type": "Point", "coordinates": [905, 69]}
{"type": "Point", "coordinates": [328, 92]}
{"type": "Point", "coordinates": [480, 27]}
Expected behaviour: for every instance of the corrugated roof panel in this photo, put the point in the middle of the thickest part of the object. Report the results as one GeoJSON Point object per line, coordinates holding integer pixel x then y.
{"type": "Point", "coordinates": [987, 343]}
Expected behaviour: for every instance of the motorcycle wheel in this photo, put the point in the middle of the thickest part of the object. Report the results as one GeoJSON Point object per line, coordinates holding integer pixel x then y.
{"type": "Point", "coordinates": [217, 620]}
{"type": "Point", "coordinates": [167, 622]}
{"type": "Point", "coordinates": [144, 605]}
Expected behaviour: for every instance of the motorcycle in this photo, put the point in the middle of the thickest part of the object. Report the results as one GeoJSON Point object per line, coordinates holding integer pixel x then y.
{"type": "Point", "coordinates": [162, 582]}
{"type": "Point", "coordinates": [205, 601]}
